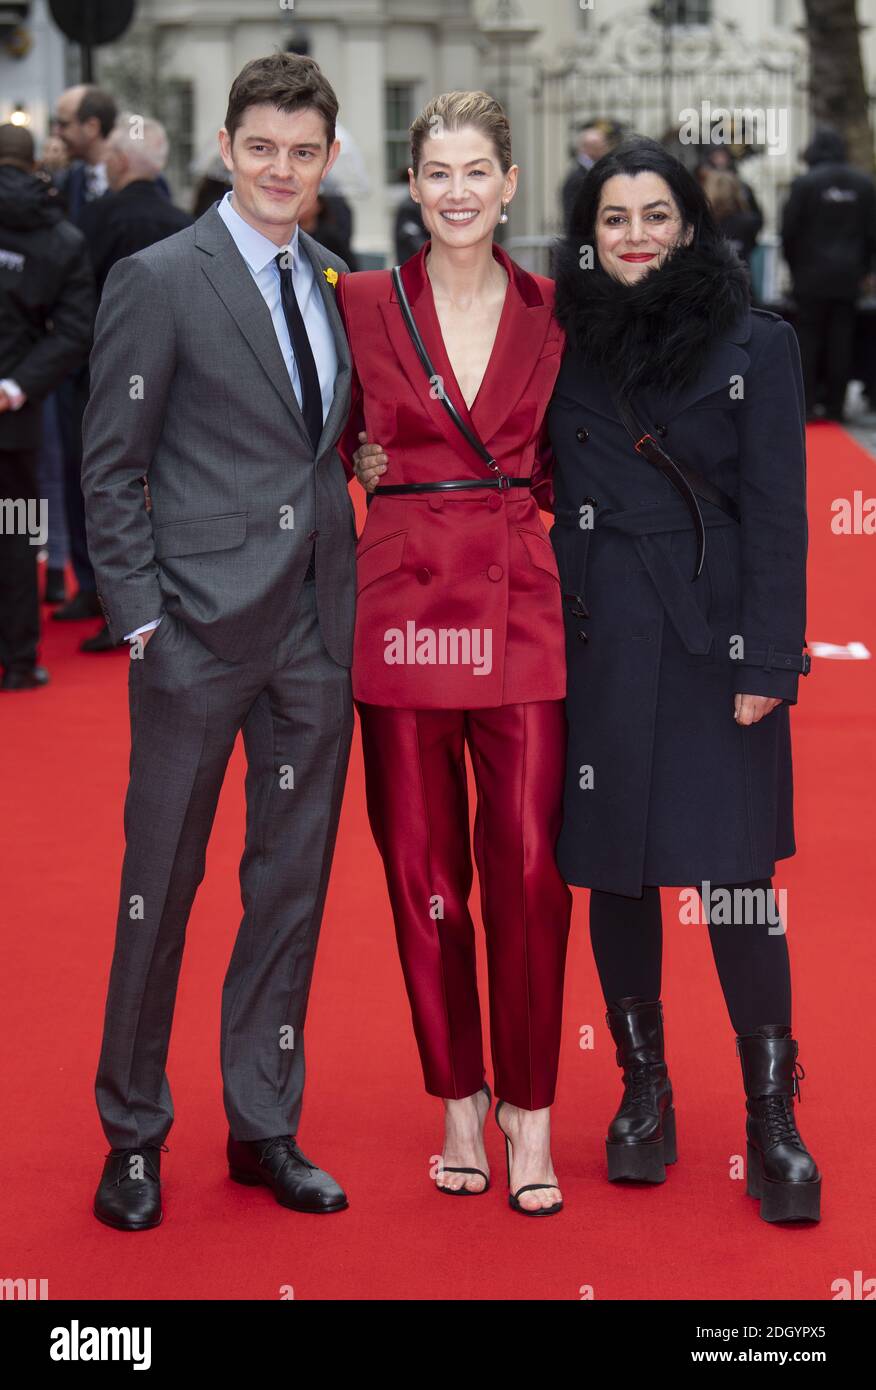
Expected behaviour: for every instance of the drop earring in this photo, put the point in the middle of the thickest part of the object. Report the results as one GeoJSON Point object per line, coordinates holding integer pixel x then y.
{"type": "Point", "coordinates": [504, 217]}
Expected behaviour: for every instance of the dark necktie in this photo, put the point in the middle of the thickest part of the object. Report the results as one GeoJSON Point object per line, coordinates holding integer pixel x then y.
{"type": "Point", "coordinates": [311, 395]}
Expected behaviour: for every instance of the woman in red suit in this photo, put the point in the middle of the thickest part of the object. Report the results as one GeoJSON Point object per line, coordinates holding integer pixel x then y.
{"type": "Point", "coordinates": [459, 640]}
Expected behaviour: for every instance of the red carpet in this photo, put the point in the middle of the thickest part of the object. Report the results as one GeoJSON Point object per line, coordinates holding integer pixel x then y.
{"type": "Point", "coordinates": [366, 1117]}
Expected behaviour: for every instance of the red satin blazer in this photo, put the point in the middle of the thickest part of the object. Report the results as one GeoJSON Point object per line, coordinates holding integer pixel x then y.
{"type": "Point", "coordinates": [458, 594]}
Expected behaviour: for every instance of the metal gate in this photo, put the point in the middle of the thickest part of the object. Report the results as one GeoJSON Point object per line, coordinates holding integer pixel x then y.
{"type": "Point", "coordinates": [643, 74]}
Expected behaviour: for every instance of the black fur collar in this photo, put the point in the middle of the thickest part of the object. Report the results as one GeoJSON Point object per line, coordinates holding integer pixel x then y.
{"type": "Point", "coordinates": [654, 332]}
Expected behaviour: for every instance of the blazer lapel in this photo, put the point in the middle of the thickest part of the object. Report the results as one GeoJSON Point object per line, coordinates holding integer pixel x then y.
{"type": "Point", "coordinates": [520, 336]}
{"type": "Point", "coordinates": [229, 275]}
{"type": "Point", "coordinates": [340, 400]}
{"type": "Point", "coordinates": [416, 287]}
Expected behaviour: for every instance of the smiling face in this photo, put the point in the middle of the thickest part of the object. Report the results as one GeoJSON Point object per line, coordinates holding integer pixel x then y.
{"type": "Point", "coordinates": [637, 225]}
{"type": "Point", "coordinates": [460, 186]}
{"type": "Point", "coordinates": [278, 159]}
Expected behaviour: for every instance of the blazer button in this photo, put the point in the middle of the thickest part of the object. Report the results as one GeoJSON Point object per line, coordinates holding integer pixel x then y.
{"type": "Point", "coordinates": [661, 429]}
{"type": "Point", "coordinates": [582, 635]}
{"type": "Point", "coordinates": [589, 502]}
{"type": "Point", "coordinates": [582, 435]}
{"type": "Point", "coordinates": [494, 501]}
{"type": "Point", "coordinates": [436, 503]}
{"type": "Point", "coordinates": [312, 535]}
{"type": "Point", "coordinates": [495, 573]}
{"type": "Point", "coordinates": [424, 576]}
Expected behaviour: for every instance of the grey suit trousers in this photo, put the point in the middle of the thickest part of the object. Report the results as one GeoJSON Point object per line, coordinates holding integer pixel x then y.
{"type": "Point", "coordinates": [187, 705]}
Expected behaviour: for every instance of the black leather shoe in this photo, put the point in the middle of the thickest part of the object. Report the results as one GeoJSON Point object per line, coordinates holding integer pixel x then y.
{"type": "Point", "coordinates": [129, 1194]}
{"type": "Point", "coordinates": [56, 587]}
{"type": "Point", "coordinates": [780, 1170]}
{"type": "Point", "coordinates": [29, 678]}
{"type": "Point", "coordinates": [85, 604]}
{"type": "Point", "coordinates": [278, 1163]}
{"type": "Point", "coordinates": [641, 1137]}
{"type": "Point", "coordinates": [101, 642]}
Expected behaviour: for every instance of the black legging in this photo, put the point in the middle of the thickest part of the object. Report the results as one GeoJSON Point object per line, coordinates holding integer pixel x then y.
{"type": "Point", "coordinates": [753, 965]}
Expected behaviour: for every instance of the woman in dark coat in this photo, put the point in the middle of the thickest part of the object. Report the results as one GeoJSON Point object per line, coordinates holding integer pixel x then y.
{"type": "Point", "coordinates": [680, 687]}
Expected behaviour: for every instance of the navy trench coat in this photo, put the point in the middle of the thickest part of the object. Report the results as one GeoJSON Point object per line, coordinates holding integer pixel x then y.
{"type": "Point", "coordinates": [662, 785]}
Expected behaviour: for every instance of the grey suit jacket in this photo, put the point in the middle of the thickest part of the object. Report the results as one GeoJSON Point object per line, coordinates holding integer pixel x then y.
{"type": "Point", "coordinates": [189, 387]}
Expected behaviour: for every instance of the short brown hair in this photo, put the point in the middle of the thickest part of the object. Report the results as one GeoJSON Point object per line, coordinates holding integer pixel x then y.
{"type": "Point", "coordinates": [288, 81]}
{"type": "Point", "coordinates": [452, 111]}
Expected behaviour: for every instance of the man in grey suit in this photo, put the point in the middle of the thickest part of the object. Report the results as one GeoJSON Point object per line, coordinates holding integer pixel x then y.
{"type": "Point", "coordinates": [221, 373]}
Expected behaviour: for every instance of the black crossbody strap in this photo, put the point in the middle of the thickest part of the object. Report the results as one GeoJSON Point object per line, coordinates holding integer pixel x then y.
{"type": "Point", "coordinates": [703, 487]}
{"type": "Point", "coordinates": [686, 480]}
{"type": "Point", "coordinates": [429, 369]}
{"type": "Point", "coordinates": [646, 445]}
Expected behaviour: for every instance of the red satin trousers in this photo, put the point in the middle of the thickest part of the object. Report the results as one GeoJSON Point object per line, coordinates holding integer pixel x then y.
{"type": "Point", "coordinates": [417, 796]}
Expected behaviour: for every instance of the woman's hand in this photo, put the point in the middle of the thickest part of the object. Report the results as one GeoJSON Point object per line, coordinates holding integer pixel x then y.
{"type": "Point", "coordinates": [750, 709]}
{"type": "Point", "coordinates": [369, 462]}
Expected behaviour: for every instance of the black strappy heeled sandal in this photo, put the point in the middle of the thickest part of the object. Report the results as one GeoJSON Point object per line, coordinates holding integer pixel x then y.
{"type": "Point", "coordinates": [469, 1191]}
{"type": "Point", "coordinates": [513, 1197]}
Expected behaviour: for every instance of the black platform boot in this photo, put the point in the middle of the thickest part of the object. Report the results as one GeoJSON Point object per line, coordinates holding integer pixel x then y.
{"type": "Point", "coordinates": [641, 1137]}
{"type": "Point", "coordinates": [780, 1169]}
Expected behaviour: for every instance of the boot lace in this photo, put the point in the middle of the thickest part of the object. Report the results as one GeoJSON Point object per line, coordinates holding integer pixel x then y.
{"type": "Point", "coordinates": [778, 1112]}
{"type": "Point", "coordinates": [639, 1085]}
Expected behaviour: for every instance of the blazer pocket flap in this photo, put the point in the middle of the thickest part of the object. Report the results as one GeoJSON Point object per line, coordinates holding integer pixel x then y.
{"type": "Point", "coordinates": [541, 552]}
{"type": "Point", "coordinates": [199, 535]}
{"type": "Point", "coordinates": [379, 559]}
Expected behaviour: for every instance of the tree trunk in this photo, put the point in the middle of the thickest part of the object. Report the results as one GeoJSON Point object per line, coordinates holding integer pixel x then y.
{"type": "Point", "coordinates": [837, 91]}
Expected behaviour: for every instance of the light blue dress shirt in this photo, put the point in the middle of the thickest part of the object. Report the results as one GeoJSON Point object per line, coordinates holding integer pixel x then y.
{"type": "Point", "coordinates": [259, 254]}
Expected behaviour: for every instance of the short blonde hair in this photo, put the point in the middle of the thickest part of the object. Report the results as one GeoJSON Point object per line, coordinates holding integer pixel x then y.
{"type": "Point", "coordinates": [452, 111]}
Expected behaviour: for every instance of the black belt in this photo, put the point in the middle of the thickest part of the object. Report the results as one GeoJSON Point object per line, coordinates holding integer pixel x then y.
{"type": "Point", "coordinates": [502, 483]}
{"type": "Point", "coordinates": [643, 525]}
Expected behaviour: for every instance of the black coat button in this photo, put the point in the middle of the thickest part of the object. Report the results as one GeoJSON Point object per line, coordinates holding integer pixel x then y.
{"type": "Point", "coordinates": [661, 429]}
{"type": "Point", "coordinates": [583, 635]}
{"type": "Point", "coordinates": [590, 502]}
{"type": "Point", "coordinates": [582, 435]}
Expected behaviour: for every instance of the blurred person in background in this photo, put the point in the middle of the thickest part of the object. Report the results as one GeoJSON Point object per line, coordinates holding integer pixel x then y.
{"type": "Point", "coordinates": [52, 161]}
{"type": "Point", "coordinates": [213, 181]}
{"type": "Point", "coordinates": [83, 119]}
{"type": "Point", "coordinates": [53, 156]}
{"type": "Point", "coordinates": [409, 233]}
{"type": "Point", "coordinates": [84, 116]}
{"type": "Point", "coordinates": [719, 159]}
{"type": "Point", "coordinates": [134, 214]}
{"type": "Point", "coordinates": [593, 140]}
{"type": "Point", "coordinates": [319, 221]}
{"type": "Point", "coordinates": [829, 242]}
{"type": "Point", "coordinates": [732, 211]}
{"type": "Point", "coordinates": [46, 316]}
